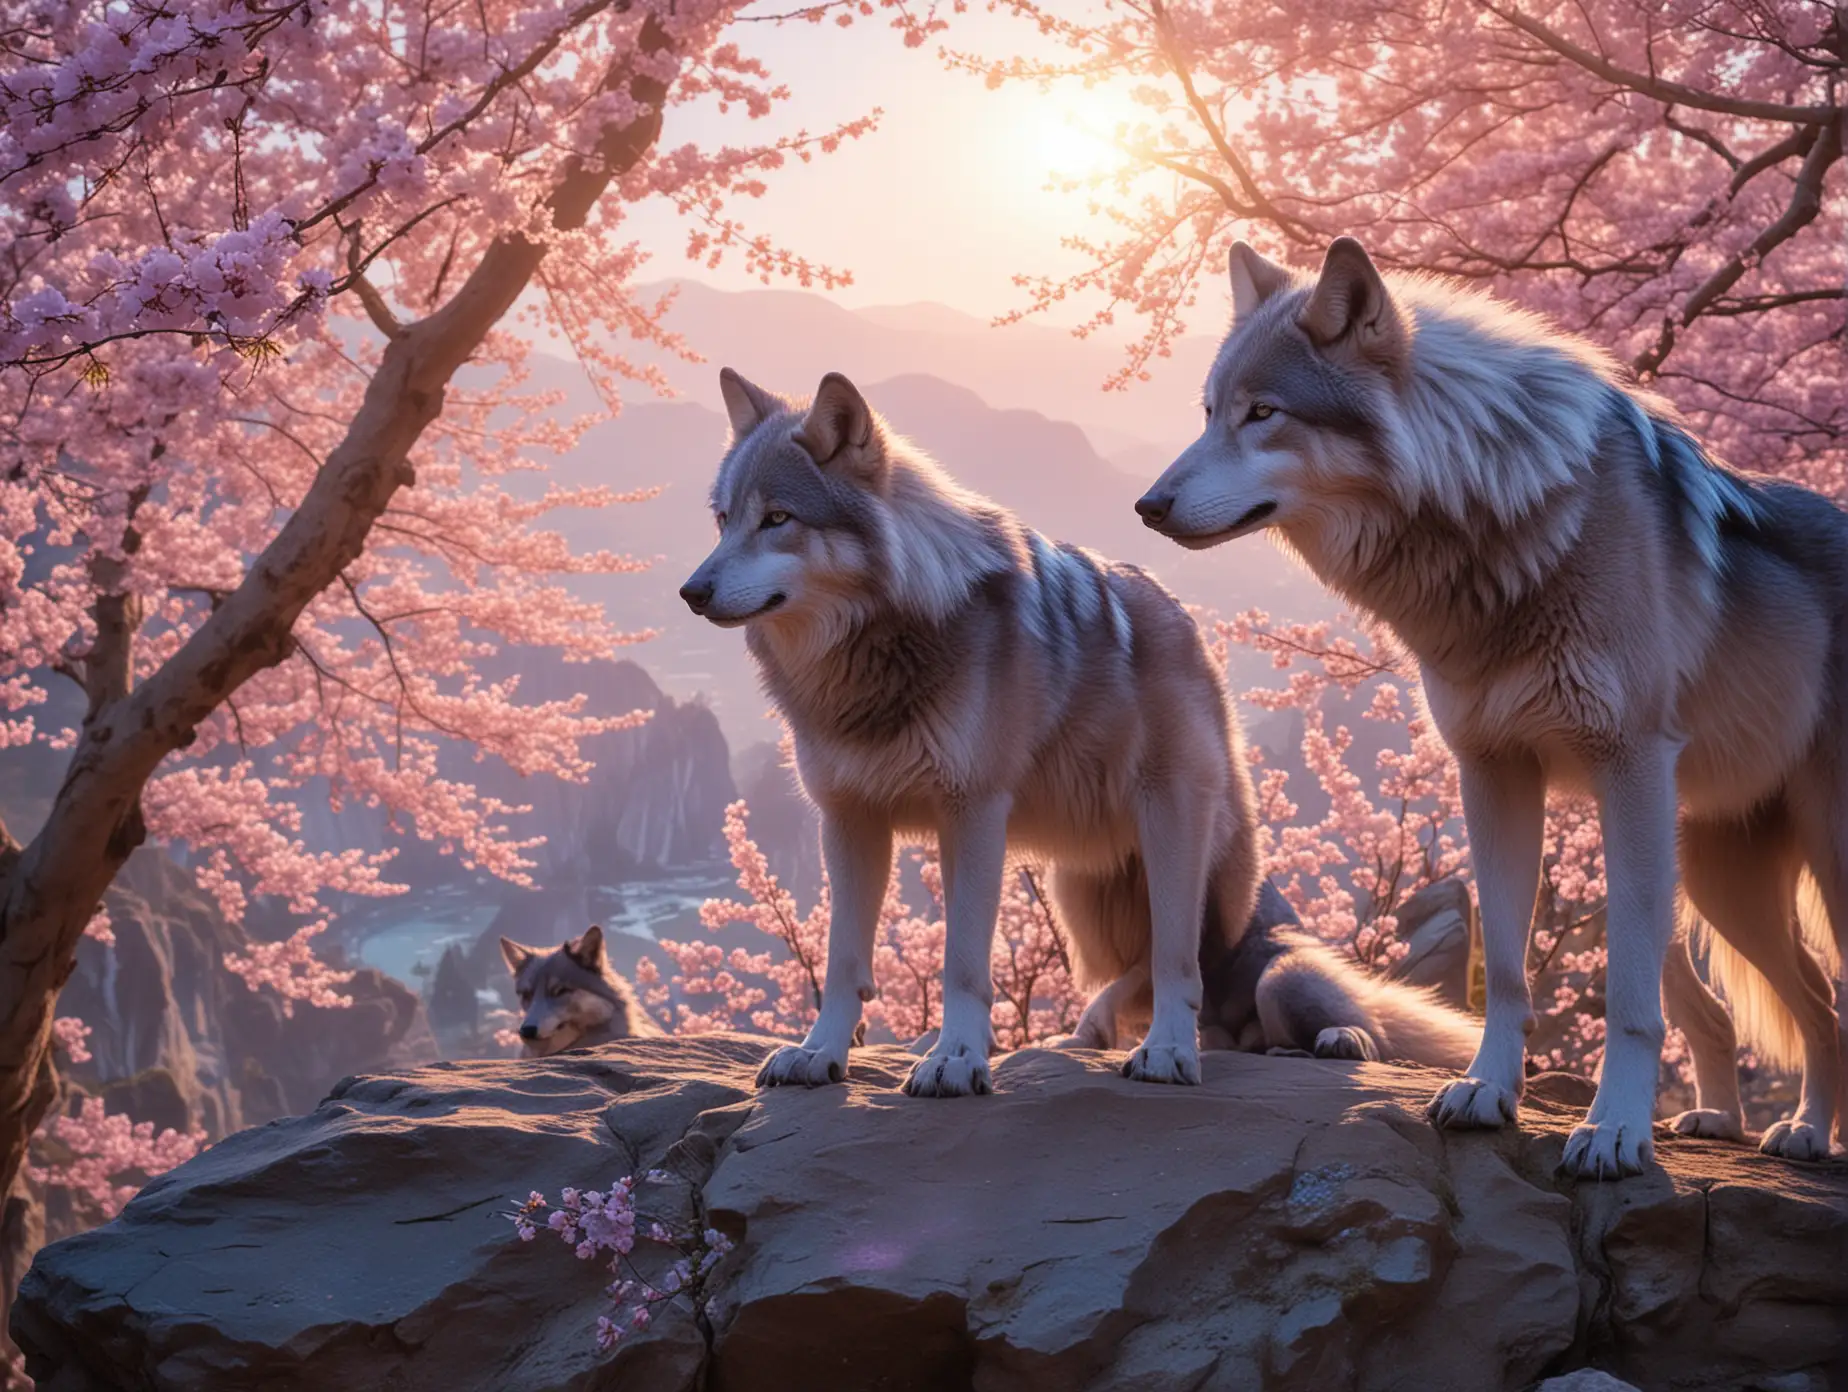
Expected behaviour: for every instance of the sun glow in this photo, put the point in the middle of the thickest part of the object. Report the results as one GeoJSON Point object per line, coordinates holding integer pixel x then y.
{"type": "Point", "coordinates": [1071, 139]}
{"type": "Point", "coordinates": [1062, 144]}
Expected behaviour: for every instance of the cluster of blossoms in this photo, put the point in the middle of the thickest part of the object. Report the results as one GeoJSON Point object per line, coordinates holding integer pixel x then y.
{"type": "Point", "coordinates": [72, 1036]}
{"type": "Point", "coordinates": [777, 990]}
{"type": "Point", "coordinates": [1663, 178]}
{"type": "Point", "coordinates": [595, 1224]}
{"type": "Point", "coordinates": [90, 1153]}
{"type": "Point", "coordinates": [291, 969]}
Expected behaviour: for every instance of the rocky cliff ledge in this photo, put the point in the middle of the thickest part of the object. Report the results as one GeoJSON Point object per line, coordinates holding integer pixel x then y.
{"type": "Point", "coordinates": [1291, 1224]}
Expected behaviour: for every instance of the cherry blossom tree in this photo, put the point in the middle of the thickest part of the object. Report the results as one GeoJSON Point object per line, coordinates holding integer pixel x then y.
{"type": "Point", "coordinates": [1664, 177]}
{"type": "Point", "coordinates": [268, 279]}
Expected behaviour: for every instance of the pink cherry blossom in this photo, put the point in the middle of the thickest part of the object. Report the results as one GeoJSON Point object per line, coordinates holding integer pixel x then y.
{"type": "Point", "coordinates": [93, 1150]}
{"type": "Point", "coordinates": [604, 1225]}
{"type": "Point", "coordinates": [1664, 178]}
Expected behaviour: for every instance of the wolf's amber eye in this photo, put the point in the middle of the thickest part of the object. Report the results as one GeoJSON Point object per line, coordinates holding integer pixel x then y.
{"type": "Point", "coordinates": [555, 990]}
{"type": "Point", "coordinates": [1261, 410]}
{"type": "Point", "coordinates": [775, 519]}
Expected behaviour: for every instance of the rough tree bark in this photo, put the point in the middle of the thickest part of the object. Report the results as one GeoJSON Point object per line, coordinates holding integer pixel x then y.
{"type": "Point", "coordinates": [51, 888]}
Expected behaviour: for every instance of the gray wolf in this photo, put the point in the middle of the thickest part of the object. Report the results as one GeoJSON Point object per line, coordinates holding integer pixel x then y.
{"type": "Point", "coordinates": [1594, 603]}
{"type": "Point", "coordinates": [942, 669]}
{"type": "Point", "coordinates": [572, 996]}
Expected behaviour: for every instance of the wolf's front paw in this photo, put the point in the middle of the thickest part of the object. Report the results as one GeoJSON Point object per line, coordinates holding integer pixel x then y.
{"type": "Point", "coordinates": [1707, 1124]}
{"type": "Point", "coordinates": [1346, 1042]}
{"type": "Point", "coordinates": [1607, 1150]}
{"type": "Point", "coordinates": [1796, 1140]}
{"type": "Point", "coordinates": [1472, 1104]}
{"type": "Point", "coordinates": [802, 1067]}
{"type": "Point", "coordinates": [1164, 1063]}
{"type": "Point", "coordinates": [950, 1071]}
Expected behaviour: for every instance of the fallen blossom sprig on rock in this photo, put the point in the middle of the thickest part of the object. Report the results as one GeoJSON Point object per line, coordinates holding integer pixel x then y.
{"type": "Point", "coordinates": [595, 1224]}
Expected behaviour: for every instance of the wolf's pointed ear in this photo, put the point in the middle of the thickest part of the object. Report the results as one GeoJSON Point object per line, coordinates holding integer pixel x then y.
{"type": "Point", "coordinates": [1254, 280]}
{"type": "Point", "coordinates": [748, 404]}
{"type": "Point", "coordinates": [517, 954]}
{"type": "Point", "coordinates": [838, 421]}
{"type": "Point", "coordinates": [587, 951]}
{"type": "Point", "coordinates": [1351, 305]}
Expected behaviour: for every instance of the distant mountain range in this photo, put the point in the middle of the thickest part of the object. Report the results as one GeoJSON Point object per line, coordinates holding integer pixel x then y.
{"type": "Point", "coordinates": [786, 340]}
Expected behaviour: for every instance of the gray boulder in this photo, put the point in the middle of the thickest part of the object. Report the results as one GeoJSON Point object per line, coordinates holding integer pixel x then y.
{"type": "Point", "coordinates": [1290, 1224]}
{"type": "Point", "coordinates": [1434, 924]}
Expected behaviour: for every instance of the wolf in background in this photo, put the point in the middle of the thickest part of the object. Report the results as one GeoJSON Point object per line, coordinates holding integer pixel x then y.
{"type": "Point", "coordinates": [572, 997]}
{"type": "Point", "coordinates": [945, 670]}
{"type": "Point", "coordinates": [1595, 604]}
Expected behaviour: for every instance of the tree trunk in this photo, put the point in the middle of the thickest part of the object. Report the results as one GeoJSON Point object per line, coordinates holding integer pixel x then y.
{"type": "Point", "coordinates": [58, 880]}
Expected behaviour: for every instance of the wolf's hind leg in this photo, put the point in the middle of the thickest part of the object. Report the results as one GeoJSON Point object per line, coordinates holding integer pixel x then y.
{"type": "Point", "coordinates": [1743, 879]}
{"type": "Point", "coordinates": [1820, 802]}
{"type": "Point", "coordinates": [1102, 1021]}
{"type": "Point", "coordinates": [1708, 1027]}
{"type": "Point", "coordinates": [1304, 1008]}
{"type": "Point", "coordinates": [858, 853]}
{"type": "Point", "coordinates": [1504, 808]}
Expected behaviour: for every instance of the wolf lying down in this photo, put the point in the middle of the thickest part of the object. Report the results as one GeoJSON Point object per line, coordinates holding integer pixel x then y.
{"type": "Point", "coordinates": [944, 670]}
{"type": "Point", "coordinates": [572, 996]}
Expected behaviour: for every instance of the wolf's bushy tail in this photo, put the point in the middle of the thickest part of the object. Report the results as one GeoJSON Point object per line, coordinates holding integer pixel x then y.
{"type": "Point", "coordinates": [1760, 1018]}
{"type": "Point", "coordinates": [1415, 1023]}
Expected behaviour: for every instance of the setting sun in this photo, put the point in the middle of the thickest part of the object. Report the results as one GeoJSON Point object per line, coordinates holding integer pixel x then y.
{"type": "Point", "coordinates": [1066, 143]}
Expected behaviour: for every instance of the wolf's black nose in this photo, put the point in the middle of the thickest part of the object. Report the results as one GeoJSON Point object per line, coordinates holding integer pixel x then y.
{"type": "Point", "coordinates": [1154, 510]}
{"type": "Point", "coordinates": [697, 594]}
{"type": "Point", "coordinates": [529, 1031]}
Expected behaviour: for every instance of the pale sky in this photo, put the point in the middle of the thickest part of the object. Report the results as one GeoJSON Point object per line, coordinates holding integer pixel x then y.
{"type": "Point", "coordinates": [946, 201]}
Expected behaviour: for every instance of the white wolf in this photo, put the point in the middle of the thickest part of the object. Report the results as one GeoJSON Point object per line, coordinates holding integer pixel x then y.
{"type": "Point", "coordinates": [945, 670]}
{"type": "Point", "coordinates": [1594, 603]}
{"type": "Point", "coordinates": [572, 997]}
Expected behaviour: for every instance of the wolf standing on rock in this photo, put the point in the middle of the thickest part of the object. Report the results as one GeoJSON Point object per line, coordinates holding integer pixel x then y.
{"type": "Point", "coordinates": [944, 670]}
{"type": "Point", "coordinates": [1593, 602]}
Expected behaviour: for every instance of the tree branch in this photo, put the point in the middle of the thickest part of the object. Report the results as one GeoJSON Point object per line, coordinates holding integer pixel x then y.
{"type": "Point", "coordinates": [1674, 93]}
{"type": "Point", "coordinates": [1805, 203]}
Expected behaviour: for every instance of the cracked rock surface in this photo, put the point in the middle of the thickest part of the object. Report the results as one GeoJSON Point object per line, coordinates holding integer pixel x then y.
{"type": "Point", "coordinates": [1292, 1224]}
